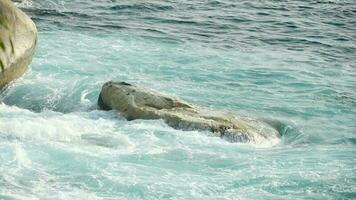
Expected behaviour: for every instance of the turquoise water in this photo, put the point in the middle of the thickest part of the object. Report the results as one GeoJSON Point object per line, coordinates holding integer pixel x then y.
{"type": "Point", "coordinates": [291, 63]}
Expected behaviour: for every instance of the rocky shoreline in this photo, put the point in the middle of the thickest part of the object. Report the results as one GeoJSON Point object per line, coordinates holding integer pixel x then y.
{"type": "Point", "coordinates": [18, 39]}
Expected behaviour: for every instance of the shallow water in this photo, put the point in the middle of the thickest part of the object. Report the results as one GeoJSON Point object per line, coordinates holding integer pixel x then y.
{"type": "Point", "coordinates": [290, 63]}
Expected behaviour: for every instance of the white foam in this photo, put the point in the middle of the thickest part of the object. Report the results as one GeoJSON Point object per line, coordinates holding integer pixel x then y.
{"type": "Point", "coordinates": [24, 4]}
{"type": "Point", "coordinates": [104, 130]}
{"type": "Point", "coordinates": [48, 126]}
{"type": "Point", "coordinates": [21, 156]}
{"type": "Point", "coordinates": [84, 101]}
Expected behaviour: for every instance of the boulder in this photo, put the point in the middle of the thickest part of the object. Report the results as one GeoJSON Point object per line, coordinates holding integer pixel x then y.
{"type": "Point", "coordinates": [140, 103]}
{"type": "Point", "coordinates": [18, 38]}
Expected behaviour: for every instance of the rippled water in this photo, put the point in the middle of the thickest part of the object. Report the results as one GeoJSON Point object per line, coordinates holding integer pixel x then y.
{"type": "Point", "coordinates": [292, 63]}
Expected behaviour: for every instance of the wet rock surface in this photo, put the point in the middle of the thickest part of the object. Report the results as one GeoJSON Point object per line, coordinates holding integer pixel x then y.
{"type": "Point", "coordinates": [141, 103]}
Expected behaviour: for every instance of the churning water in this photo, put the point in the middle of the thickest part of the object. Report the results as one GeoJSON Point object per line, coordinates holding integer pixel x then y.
{"type": "Point", "coordinates": [289, 62]}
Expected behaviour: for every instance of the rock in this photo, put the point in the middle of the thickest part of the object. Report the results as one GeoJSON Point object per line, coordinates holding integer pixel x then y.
{"type": "Point", "coordinates": [140, 103]}
{"type": "Point", "coordinates": [18, 38]}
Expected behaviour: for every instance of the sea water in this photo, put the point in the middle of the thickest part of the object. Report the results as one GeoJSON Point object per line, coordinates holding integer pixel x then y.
{"type": "Point", "coordinates": [291, 63]}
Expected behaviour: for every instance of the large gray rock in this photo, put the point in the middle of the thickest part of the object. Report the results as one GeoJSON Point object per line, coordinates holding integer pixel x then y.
{"type": "Point", "coordinates": [18, 38]}
{"type": "Point", "coordinates": [140, 103]}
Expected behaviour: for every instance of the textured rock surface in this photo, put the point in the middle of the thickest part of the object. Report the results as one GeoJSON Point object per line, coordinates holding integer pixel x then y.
{"type": "Point", "coordinates": [139, 103]}
{"type": "Point", "coordinates": [18, 38]}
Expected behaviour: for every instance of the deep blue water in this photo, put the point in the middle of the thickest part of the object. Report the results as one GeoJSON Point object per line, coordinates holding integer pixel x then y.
{"type": "Point", "coordinates": [290, 62]}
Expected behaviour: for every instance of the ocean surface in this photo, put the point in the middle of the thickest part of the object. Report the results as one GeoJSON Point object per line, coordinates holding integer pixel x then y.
{"type": "Point", "coordinates": [292, 63]}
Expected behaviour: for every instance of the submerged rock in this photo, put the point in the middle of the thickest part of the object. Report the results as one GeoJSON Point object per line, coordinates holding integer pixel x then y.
{"type": "Point", "coordinates": [140, 103]}
{"type": "Point", "coordinates": [18, 38]}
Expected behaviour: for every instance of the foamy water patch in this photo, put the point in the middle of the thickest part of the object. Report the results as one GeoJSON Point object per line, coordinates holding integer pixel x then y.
{"type": "Point", "coordinates": [94, 127]}
{"type": "Point", "coordinates": [24, 4]}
